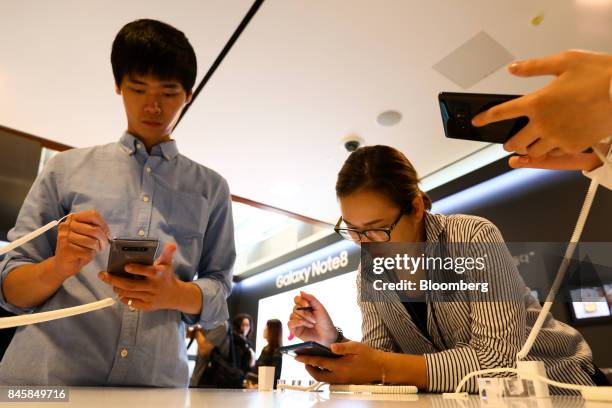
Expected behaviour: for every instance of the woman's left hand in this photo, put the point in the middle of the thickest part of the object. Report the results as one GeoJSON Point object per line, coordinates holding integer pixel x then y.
{"type": "Point", "coordinates": [360, 364]}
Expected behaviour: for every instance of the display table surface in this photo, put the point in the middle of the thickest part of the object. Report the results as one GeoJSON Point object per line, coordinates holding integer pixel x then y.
{"type": "Point", "coordinates": [177, 397]}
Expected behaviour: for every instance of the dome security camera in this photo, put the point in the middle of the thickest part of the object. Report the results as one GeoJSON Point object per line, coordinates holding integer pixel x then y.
{"type": "Point", "coordinates": [352, 143]}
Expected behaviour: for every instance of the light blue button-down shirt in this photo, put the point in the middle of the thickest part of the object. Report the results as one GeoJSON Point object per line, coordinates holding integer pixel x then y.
{"type": "Point", "coordinates": [162, 195]}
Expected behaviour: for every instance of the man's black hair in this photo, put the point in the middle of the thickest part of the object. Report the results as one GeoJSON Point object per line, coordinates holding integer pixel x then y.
{"type": "Point", "coordinates": [146, 47]}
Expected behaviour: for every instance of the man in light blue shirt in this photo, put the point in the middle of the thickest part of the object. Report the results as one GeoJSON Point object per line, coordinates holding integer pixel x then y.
{"type": "Point", "coordinates": [139, 187]}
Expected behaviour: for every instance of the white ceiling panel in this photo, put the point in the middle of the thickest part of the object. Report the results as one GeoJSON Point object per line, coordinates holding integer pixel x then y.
{"type": "Point", "coordinates": [303, 75]}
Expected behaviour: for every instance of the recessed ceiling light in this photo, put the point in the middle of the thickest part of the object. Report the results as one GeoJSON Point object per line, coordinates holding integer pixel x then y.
{"type": "Point", "coordinates": [389, 118]}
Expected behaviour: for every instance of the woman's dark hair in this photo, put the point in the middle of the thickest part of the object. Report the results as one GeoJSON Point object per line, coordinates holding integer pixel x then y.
{"type": "Point", "coordinates": [384, 170]}
{"type": "Point", "coordinates": [237, 323]}
{"type": "Point", "coordinates": [151, 47]}
{"type": "Point", "coordinates": [275, 334]}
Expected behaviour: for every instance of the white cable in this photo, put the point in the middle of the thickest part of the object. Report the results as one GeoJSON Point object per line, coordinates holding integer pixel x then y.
{"type": "Point", "coordinates": [30, 236]}
{"type": "Point", "coordinates": [33, 318]}
{"type": "Point", "coordinates": [569, 252]}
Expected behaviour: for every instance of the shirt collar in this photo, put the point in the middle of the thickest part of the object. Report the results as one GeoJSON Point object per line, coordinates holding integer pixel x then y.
{"type": "Point", "coordinates": [128, 143]}
{"type": "Point", "coordinates": [434, 226]}
{"type": "Point", "coordinates": [168, 149]}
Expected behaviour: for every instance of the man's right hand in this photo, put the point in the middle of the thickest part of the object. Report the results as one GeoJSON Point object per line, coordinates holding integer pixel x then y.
{"type": "Point", "coordinates": [315, 325]}
{"type": "Point", "coordinates": [79, 238]}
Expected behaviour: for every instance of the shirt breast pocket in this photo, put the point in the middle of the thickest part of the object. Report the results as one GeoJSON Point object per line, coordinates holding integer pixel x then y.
{"type": "Point", "coordinates": [183, 220]}
{"type": "Point", "coordinates": [188, 216]}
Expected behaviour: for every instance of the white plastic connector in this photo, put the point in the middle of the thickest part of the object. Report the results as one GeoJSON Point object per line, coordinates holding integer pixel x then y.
{"type": "Point", "coordinates": [529, 369]}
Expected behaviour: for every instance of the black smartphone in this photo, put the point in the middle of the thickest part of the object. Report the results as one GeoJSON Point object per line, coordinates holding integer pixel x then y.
{"type": "Point", "coordinates": [458, 109]}
{"type": "Point", "coordinates": [124, 251]}
{"type": "Point", "coordinates": [309, 348]}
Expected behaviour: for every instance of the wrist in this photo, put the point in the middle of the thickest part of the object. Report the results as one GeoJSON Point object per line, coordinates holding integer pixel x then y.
{"type": "Point", "coordinates": [50, 274]}
{"type": "Point", "coordinates": [186, 298]}
{"type": "Point", "coordinates": [393, 369]}
{"type": "Point", "coordinates": [331, 338]}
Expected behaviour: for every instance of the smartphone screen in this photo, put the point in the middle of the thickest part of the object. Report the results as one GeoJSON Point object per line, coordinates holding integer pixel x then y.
{"type": "Point", "coordinates": [458, 109]}
{"type": "Point", "coordinates": [124, 251]}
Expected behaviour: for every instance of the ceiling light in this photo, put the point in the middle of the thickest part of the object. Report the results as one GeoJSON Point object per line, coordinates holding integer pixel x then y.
{"type": "Point", "coordinates": [389, 118]}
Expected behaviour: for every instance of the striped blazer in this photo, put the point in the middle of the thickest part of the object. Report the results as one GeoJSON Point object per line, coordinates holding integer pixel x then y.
{"type": "Point", "coordinates": [467, 335]}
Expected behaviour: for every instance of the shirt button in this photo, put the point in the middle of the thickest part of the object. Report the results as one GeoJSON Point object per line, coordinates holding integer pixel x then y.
{"type": "Point", "coordinates": [148, 169]}
{"type": "Point", "coordinates": [138, 145]}
{"type": "Point", "coordinates": [141, 233]}
{"type": "Point", "coordinates": [145, 199]}
{"type": "Point", "coordinates": [124, 353]}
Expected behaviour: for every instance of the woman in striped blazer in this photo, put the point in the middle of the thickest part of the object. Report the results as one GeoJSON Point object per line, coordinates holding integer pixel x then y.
{"type": "Point", "coordinates": [431, 344]}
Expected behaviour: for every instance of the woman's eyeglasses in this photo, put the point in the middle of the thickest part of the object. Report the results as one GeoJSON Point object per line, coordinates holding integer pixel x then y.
{"type": "Point", "coordinates": [371, 234]}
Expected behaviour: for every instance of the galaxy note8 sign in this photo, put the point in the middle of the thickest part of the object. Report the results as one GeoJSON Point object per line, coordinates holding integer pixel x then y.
{"type": "Point", "coordinates": [325, 263]}
{"type": "Point", "coordinates": [315, 270]}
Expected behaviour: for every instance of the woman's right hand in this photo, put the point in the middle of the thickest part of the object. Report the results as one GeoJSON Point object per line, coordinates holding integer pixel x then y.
{"type": "Point", "coordinates": [315, 325]}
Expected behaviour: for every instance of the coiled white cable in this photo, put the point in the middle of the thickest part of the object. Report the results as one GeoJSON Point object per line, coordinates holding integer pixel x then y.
{"type": "Point", "coordinates": [584, 213]}
{"type": "Point", "coordinates": [32, 318]}
{"type": "Point", "coordinates": [569, 252]}
{"type": "Point", "coordinates": [23, 320]}
{"type": "Point", "coordinates": [34, 234]}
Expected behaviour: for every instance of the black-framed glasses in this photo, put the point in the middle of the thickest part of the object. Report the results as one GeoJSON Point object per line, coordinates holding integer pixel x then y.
{"type": "Point", "coordinates": [372, 234]}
